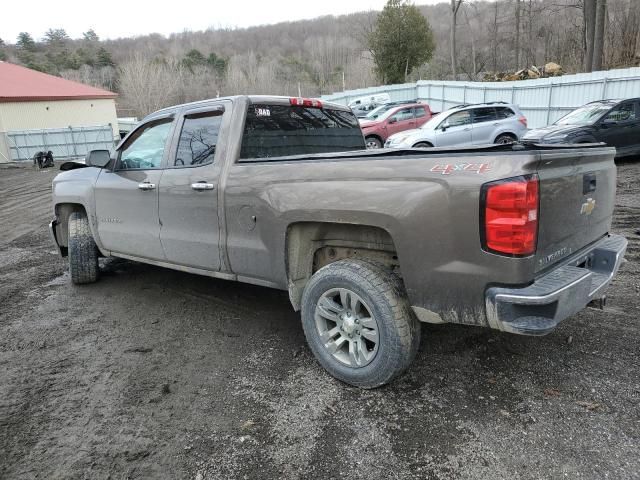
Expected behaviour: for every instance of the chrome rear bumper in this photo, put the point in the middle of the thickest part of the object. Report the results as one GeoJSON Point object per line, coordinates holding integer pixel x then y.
{"type": "Point", "coordinates": [538, 308]}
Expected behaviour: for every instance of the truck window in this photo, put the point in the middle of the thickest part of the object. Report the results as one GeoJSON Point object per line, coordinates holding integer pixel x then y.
{"type": "Point", "coordinates": [198, 139]}
{"type": "Point", "coordinates": [283, 130]}
{"type": "Point", "coordinates": [145, 148]}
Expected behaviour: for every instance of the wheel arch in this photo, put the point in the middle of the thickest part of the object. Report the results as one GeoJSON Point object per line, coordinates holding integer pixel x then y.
{"type": "Point", "coordinates": [63, 211]}
{"type": "Point", "coordinates": [506, 132]}
{"type": "Point", "coordinates": [310, 246]}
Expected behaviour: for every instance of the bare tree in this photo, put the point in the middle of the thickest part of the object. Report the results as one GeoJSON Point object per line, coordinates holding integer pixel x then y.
{"type": "Point", "coordinates": [598, 39]}
{"type": "Point", "coordinates": [589, 15]}
{"type": "Point", "coordinates": [517, 27]}
{"type": "Point", "coordinates": [455, 6]}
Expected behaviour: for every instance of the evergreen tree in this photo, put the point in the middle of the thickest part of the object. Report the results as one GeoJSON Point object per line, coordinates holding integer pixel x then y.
{"type": "Point", "coordinates": [402, 40]}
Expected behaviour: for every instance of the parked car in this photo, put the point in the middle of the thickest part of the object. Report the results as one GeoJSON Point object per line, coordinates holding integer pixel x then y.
{"type": "Point", "coordinates": [614, 122]}
{"type": "Point", "coordinates": [363, 105]}
{"type": "Point", "coordinates": [478, 124]}
{"type": "Point", "coordinates": [394, 120]}
{"type": "Point", "coordinates": [280, 193]}
{"type": "Point", "coordinates": [376, 112]}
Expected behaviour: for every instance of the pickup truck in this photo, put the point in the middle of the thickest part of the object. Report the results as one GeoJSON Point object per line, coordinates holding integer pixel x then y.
{"type": "Point", "coordinates": [280, 192]}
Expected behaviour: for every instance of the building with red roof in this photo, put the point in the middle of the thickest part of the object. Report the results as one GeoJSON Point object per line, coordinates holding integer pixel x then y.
{"type": "Point", "coordinates": [41, 112]}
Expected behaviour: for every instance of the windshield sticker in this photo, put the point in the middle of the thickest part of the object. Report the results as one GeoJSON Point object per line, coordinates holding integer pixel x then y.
{"type": "Point", "coordinates": [461, 167]}
{"type": "Point", "coordinates": [263, 112]}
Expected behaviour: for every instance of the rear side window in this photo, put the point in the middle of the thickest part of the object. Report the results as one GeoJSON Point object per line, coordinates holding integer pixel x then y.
{"type": "Point", "coordinates": [283, 130]}
{"type": "Point", "coordinates": [504, 112]}
{"type": "Point", "coordinates": [198, 139]}
{"type": "Point", "coordinates": [487, 114]}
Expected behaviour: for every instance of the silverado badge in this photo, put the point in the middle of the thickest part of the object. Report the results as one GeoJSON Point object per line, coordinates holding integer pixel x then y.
{"type": "Point", "coordinates": [588, 207]}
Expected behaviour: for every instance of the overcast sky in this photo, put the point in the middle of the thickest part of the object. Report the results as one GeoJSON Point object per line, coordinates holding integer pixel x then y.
{"type": "Point", "coordinates": [120, 18]}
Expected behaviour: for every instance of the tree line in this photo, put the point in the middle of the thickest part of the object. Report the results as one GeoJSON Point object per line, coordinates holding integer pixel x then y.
{"type": "Point", "coordinates": [461, 39]}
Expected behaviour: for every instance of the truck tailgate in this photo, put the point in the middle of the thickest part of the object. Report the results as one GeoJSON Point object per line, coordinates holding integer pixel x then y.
{"type": "Point", "coordinates": [577, 197]}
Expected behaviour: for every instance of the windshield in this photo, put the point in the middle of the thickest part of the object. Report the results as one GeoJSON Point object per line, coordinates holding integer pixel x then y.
{"type": "Point", "coordinates": [434, 121]}
{"type": "Point", "coordinates": [584, 115]}
{"type": "Point", "coordinates": [376, 112]}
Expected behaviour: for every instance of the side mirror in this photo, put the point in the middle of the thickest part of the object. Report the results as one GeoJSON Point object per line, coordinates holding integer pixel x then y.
{"type": "Point", "coordinates": [608, 122]}
{"type": "Point", "coordinates": [97, 158]}
{"type": "Point", "coordinates": [444, 127]}
{"type": "Point", "coordinates": [392, 120]}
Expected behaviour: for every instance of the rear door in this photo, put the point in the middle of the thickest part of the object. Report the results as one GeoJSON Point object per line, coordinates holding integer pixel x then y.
{"type": "Point", "coordinates": [188, 208]}
{"type": "Point", "coordinates": [485, 123]}
{"type": "Point", "coordinates": [577, 196]}
{"type": "Point", "coordinates": [127, 197]}
{"type": "Point", "coordinates": [454, 130]}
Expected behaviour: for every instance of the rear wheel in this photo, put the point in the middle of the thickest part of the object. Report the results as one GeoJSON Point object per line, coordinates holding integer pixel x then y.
{"type": "Point", "coordinates": [505, 138]}
{"type": "Point", "coordinates": [358, 322]}
{"type": "Point", "coordinates": [373, 142]}
{"type": "Point", "coordinates": [423, 145]}
{"type": "Point", "coordinates": [83, 252]}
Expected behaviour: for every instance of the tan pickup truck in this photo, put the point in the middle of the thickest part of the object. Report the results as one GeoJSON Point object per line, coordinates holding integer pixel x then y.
{"type": "Point", "coordinates": [281, 192]}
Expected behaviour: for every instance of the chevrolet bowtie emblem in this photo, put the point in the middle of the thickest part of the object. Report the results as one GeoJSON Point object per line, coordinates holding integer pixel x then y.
{"type": "Point", "coordinates": [588, 207]}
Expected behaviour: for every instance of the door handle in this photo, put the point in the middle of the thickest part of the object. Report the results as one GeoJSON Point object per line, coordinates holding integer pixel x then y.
{"type": "Point", "coordinates": [466, 129]}
{"type": "Point", "coordinates": [146, 186]}
{"type": "Point", "coordinates": [200, 186]}
{"type": "Point", "coordinates": [496, 124]}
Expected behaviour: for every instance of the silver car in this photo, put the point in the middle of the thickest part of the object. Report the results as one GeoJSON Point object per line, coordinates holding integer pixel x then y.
{"type": "Point", "coordinates": [477, 124]}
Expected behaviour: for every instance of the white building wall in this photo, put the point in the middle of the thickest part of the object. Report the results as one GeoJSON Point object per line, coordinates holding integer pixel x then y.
{"type": "Point", "coordinates": [54, 114]}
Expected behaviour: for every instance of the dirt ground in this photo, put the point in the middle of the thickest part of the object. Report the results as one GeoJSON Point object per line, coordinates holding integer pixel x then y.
{"type": "Point", "coordinates": [152, 373]}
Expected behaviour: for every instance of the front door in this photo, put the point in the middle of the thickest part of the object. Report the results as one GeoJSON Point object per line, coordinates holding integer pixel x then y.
{"type": "Point", "coordinates": [189, 220]}
{"type": "Point", "coordinates": [400, 121]}
{"type": "Point", "coordinates": [454, 130]}
{"type": "Point", "coordinates": [619, 126]}
{"type": "Point", "coordinates": [127, 196]}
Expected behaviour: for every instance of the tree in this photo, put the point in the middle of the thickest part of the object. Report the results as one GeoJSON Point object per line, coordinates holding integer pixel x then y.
{"type": "Point", "coordinates": [56, 37]}
{"type": "Point", "coordinates": [400, 41]}
{"type": "Point", "coordinates": [455, 6]}
{"type": "Point", "coordinates": [25, 42]}
{"type": "Point", "coordinates": [91, 36]}
{"type": "Point", "coordinates": [598, 39]}
{"type": "Point", "coordinates": [589, 15]}
{"type": "Point", "coordinates": [517, 34]}
{"type": "Point", "coordinates": [103, 58]}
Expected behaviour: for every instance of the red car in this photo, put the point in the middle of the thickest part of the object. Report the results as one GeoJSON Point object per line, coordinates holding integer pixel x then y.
{"type": "Point", "coordinates": [397, 119]}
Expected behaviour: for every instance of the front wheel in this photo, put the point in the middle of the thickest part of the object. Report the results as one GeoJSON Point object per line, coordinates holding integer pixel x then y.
{"type": "Point", "coordinates": [423, 145]}
{"type": "Point", "coordinates": [373, 143]}
{"type": "Point", "coordinates": [83, 252]}
{"type": "Point", "coordinates": [358, 322]}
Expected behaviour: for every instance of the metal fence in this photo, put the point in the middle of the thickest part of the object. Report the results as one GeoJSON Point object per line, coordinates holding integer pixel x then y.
{"type": "Point", "coordinates": [542, 101]}
{"type": "Point", "coordinates": [64, 143]}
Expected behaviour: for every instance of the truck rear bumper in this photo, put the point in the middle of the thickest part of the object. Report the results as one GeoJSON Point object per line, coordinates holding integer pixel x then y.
{"type": "Point", "coordinates": [538, 308]}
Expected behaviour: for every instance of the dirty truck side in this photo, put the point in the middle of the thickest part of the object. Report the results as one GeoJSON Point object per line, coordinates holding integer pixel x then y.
{"type": "Point", "coordinates": [280, 192]}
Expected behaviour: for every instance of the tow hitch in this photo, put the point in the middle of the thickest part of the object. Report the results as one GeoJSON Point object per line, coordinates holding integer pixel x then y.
{"type": "Point", "coordinates": [598, 303]}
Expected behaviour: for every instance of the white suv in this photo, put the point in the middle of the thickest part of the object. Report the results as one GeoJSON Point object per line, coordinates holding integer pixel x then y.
{"type": "Point", "coordinates": [478, 124]}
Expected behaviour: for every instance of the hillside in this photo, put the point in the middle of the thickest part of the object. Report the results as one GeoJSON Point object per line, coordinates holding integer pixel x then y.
{"type": "Point", "coordinates": [322, 55]}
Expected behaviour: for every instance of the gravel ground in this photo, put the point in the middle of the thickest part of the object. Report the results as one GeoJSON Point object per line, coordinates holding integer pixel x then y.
{"type": "Point", "coordinates": [153, 373]}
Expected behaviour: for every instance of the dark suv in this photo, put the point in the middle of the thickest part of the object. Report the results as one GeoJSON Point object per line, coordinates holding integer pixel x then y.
{"type": "Point", "coordinates": [614, 122]}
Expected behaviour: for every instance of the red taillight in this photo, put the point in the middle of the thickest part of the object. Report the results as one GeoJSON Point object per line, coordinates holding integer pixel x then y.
{"type": "Point", "coordinates": [510, 213]}
{"type": "Point", "coordinates": [523, 121]}
{"type": "Point", "coordinates": [305, 102]}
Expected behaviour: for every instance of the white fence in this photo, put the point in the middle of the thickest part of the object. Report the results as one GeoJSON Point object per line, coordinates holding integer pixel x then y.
{"type": "Point", "coordinates": [64, 143]}
{"type": "Point", "coordinates": [542, 101]}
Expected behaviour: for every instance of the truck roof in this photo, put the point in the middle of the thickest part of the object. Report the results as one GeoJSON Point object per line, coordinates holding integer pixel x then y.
{"type": "Point", "coordinates": [271, 99]}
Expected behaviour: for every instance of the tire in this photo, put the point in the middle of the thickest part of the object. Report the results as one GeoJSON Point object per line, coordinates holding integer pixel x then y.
{"type": "Point", "coordinates": [383, 303]}
{"type": "Point", "coordinates": [373, 142]}
{"type": "Point", "coordinates": [423, 145]}
{"type": "Point", "coordinates": [83, 252]}
{"type": "Point", "coordinates": [505, 138]}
